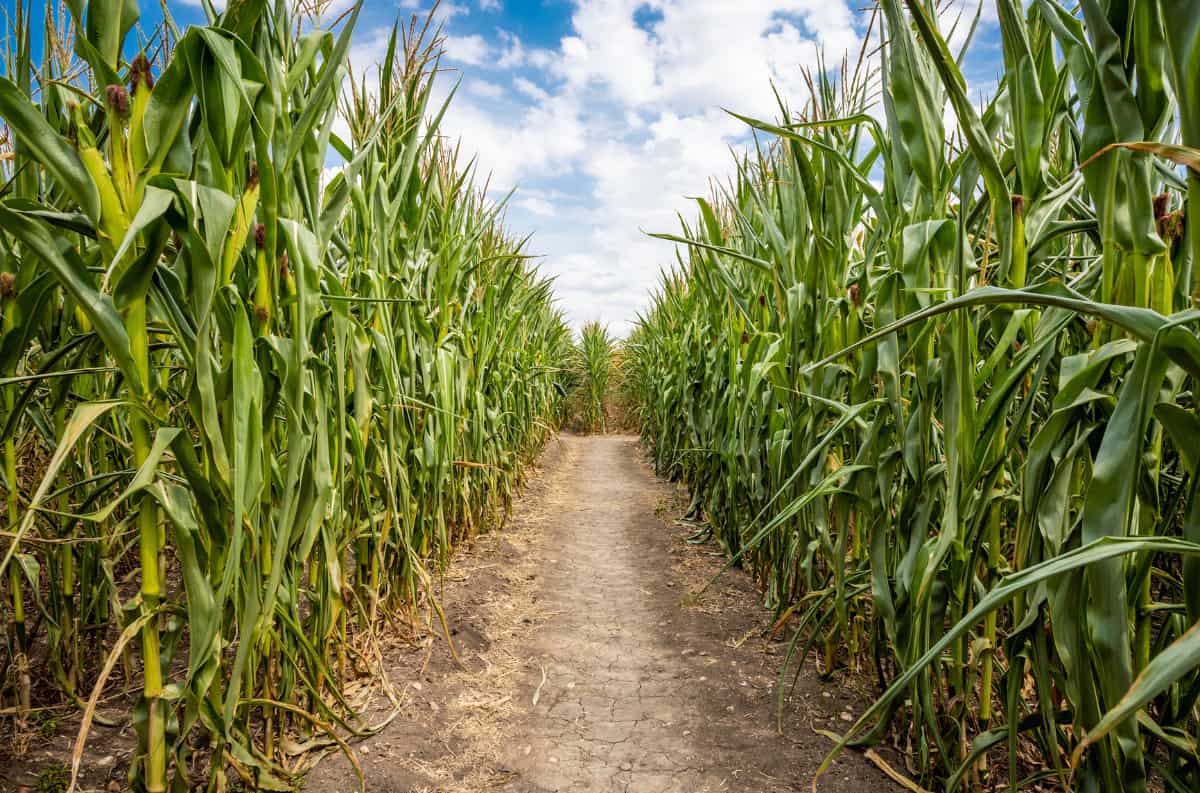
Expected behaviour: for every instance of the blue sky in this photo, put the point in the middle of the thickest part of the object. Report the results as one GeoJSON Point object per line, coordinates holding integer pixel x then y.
{"type": "Point", "coordinates": [606, 114]}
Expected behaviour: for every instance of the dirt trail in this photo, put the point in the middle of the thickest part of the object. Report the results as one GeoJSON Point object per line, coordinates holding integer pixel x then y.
{"type": "Point", "coordinates": [590, 666]}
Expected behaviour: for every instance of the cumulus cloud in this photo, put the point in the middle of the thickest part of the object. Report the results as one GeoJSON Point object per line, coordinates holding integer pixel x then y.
{"type": "Point", "coordinates": [446, 9]}
{"type": "Point", "coordinates": [536, 205]}
{"type": "Point", "coordinates": [608, 131]}
{"type": "Point", "coordinates": [695, 56]}
{"type": "Point", "coordinates": [472, 50]}
{"type": "Point", "coordinates": [485, 89]}
{"type": "Point", "coordinates": [531, 89]}
{"type": "Point", "coordinates": [627, 110]}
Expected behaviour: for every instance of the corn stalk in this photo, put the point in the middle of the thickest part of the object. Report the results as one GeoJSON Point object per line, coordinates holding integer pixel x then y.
{"type": "Point", "coordinates": [936, 388]}
{"type": "Point", "coordinates": [273, 398]}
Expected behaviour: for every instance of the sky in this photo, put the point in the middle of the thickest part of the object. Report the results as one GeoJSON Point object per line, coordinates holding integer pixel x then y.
{"type": "Point", "coordinates": [606, 115]}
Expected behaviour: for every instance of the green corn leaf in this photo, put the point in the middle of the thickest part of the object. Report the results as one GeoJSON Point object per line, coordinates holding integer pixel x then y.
{"type": "Point", "coordinates": [44, 144]}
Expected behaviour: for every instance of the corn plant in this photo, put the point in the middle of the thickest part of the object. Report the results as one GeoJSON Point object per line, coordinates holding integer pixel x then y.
{"type": "Point", "coordinates": [245, 407]}
{"type": "Point", "coordinates": [935, 389]}
{"type": "Point", "coordinates": [594, 360]}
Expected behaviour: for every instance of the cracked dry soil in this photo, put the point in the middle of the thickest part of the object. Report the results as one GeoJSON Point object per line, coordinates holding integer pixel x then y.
{"type": "Point", "coordinates": [590, 665]}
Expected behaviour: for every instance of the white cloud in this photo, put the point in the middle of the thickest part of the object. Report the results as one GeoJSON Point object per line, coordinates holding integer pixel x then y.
{"type": "Point", "coordinates": [536, 205]}
{"type": "Point", "coordinates": [629, 115]}
{"type": "Point", "coordinates": [540, 59]}
{"type": "Point", "coordinates": [513, 54]}
{"type": "Point", "coordinates": [334, 8]}
{"type": "Point", "coordinates": [446, 9]}
{"type": "Point", "coordinates": [607, 132]}
{"type": "Point", "coordinates": [967, 9]}
{"type": "Point", "coordinates": [720, 53]}
{"type": "Point", "coordinates": [472, 50]}
{"type": "Point", "coordinates": [530, 89]}
{"type": "Point", "coordinates": [485, 89]}
{"type": "Point", "coordinates": [542, 139]}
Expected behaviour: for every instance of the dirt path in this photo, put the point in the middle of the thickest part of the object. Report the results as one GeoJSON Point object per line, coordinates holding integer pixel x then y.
{"type": "Point", "coordinates": [591, 667]}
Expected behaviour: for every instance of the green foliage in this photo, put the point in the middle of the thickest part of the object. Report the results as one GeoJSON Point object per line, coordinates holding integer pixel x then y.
{"type": "Point", "coordinates": [53, 778]}
{"type": "Point", "coordinates": [948, 419]}
{"type": "Point", "coordinates": [268, 397]}
{"type": "Point", "coordinates": [594, 361]}
{"type": "Point", "coordinates": [46, 725]}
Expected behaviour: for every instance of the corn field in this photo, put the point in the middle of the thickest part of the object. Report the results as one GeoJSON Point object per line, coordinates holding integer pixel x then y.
{"type": "Point", "coordinates": [247, 402]}
{"type": "Point", "coordinates": [594, 362]}
{"type": "Point", "coordinates": [929, 371]}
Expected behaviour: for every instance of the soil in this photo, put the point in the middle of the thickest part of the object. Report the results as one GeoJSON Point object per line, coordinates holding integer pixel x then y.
{"type": "Point", "coordinates": [585, 659]}
{"type": "Point", "coordinates": [589, 663]}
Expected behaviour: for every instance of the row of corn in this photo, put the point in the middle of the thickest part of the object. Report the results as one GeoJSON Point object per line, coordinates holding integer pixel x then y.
{"type": "Point", "coordinates": [247, 397]}
{"type": "Point", "coordinates": [594, 362]}
{"type": "Point", "coordinates": [929, 370]}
